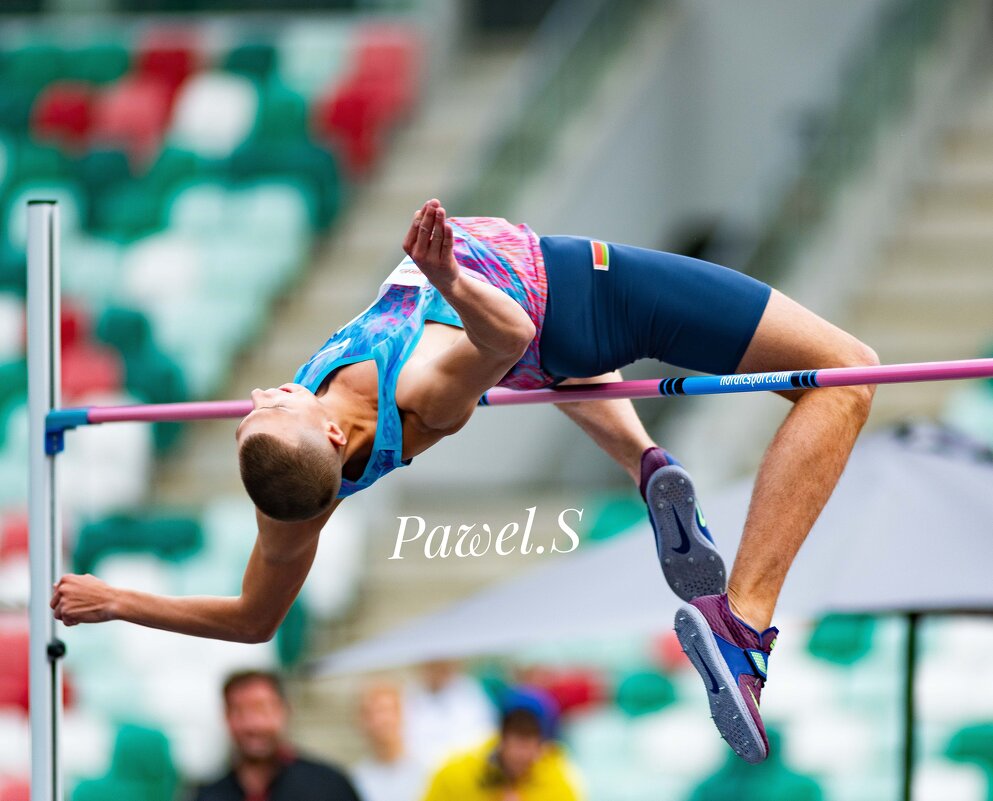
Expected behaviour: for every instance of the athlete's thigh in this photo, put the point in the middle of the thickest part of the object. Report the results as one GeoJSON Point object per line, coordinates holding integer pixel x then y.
{"type": "Point", "coordinates": [791, 337]}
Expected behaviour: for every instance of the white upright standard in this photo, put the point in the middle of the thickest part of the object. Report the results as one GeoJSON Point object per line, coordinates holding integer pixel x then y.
{"type": "Point", "coordinates": [44, 394]}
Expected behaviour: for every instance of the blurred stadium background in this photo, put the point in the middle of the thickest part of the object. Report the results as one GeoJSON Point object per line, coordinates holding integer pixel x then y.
{"type": "Point", "coordinates": [235, 183]}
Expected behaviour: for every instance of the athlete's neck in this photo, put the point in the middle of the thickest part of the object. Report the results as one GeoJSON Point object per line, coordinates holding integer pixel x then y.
{"type": "Point", "coordinates": [352, 401]}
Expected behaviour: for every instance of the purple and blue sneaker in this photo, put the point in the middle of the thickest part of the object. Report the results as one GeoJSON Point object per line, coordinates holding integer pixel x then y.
{"type": "Point", "coordinates": [690, 561]}
{"type": "Point", "coordinates": [732, 658]}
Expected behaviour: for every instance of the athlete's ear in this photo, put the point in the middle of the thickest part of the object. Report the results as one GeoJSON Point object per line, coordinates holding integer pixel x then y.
{"type": "Point", "coordinates": [335, 434]}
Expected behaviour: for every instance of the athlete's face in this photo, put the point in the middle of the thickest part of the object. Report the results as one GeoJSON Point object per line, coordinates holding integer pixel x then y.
{"type": "Point", "coordinates": [285, 412]}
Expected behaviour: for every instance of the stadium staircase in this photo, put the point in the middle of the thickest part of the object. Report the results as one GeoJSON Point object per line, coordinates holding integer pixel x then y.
{"type": "Point", "coordinates": [928, 295]}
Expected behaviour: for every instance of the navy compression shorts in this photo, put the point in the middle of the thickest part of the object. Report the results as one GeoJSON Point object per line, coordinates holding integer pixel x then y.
{"type": "Point", "coordinates": [609, 305]}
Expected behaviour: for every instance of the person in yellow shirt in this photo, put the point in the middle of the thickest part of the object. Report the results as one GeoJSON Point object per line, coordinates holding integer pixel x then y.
{"type": "Point", "coordinates": [522, 763]}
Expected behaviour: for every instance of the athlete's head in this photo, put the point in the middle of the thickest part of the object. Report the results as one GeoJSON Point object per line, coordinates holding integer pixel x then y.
{"type": "Point", "coordinates": [289, 453]}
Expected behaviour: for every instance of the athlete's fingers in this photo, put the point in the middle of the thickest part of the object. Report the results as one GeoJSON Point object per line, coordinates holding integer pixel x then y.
{"type": "Point", "coordinates": [411, 238]}
{"type": "Point", "coordinates": [424, 230]}
{"type": "Point", "coordinates": [438, 233]}
{"type": "Point", "coordinates": [448, 242]}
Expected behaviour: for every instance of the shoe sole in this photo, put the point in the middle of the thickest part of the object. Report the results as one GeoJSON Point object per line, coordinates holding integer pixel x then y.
{"type": "Point", "coordinates": [727, 706]}
{"type": "Point", "coordinates": [691, 564]}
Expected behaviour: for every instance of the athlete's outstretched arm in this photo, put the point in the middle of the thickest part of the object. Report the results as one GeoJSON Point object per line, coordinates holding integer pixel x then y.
{"type": "Point", "coordinates": [280, 561]}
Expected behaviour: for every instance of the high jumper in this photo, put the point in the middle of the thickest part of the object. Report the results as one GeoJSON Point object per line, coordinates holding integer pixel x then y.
{"type": "Point", "coordinates": [480, 302]}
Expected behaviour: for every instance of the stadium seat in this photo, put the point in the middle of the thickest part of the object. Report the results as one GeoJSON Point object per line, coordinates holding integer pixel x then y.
{"type": "Point", "coordinates": [100, 171]}
{"type": "Point", "coordinates": [166, 536]}
{"type": "Point", "coordinates": [15, 107]}
{"type": "Point", "coordinates": [128, 211]}
{"type": "Point", "coordinates": [282, 114]}
{"type": "Point", "coordinates": [11, 326]}
{"type": "Point", "coordinates": [255, 60]}
{"type": "Point", "coordinates": [89, 368]}
{"type": "Point", "coordinates": [13, 535]}
{"type": "Point", "coordinates": [300, 162]}
{"type": "Point", "coordinates": [14, 667]}
{"type": "Point", "coordinates": [62, 114]}
{"type": "Point", "coordinates": [214, 113]}
{"type": "Point", "coordinates": [313, 55]}
{"type": "Point", "coordinates": [643, 692]}
{"type": "Point", "coordinates": [132, 115]}
{"type": "Point", "coordinates": [13, 380]}
{"type": "Point", "coordinates": [387, 60]}
{"type": "Point", "coordinates": [842, 639]}
{"type": "Point", "coordinates": [34, 65]}
{"type": "Point", "coordinates": [74, 328]}
{"type": "Point", "coordinates": [97, 62]}
{"type": "Point", "coordinates": [350, 120]}
{"type": "Point", "coordinates": [974, 744]}
{"type": "Point", "coordinates": [168, 55]}
{"type": "Point", "coordinates": [12, 789]}
{"type": "Point", "coordinates": [575, 690]}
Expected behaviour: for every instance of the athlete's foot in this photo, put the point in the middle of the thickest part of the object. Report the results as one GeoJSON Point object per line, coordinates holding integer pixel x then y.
{"type": "Point", "coordinates": [732, 658]}
{"type": "Point", "coordinates": [690, 561]}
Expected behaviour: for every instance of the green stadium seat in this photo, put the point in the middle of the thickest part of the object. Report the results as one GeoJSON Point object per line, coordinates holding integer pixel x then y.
{"type": "Point", "coordinates": [13, 270]}
{"type": "Point", "coordinates": [168, 537]}
{"type": "Point", "coordinates": [252, 59]}
{"type": "Point", "coordinates": [98, 62]}
{"type": "Point", "coordinates": [293, 635]}
{"type": "Point", "coordinates": [842, 639]}
{"type": "Point", "coordinates": [126, 329]}
{"type": "Point", "coordinates": [110, 788]}
{"type": "Point", "coordinates": [771, 780]}
{"type": "Point", "coordinates": [15, 107]}
{"type": "Point", "coordinates": [644, 692]}
{"type": "Point", "coordinates": [13, 387]}
{"type": "Point", "coordinates": [176, 166]}
{"type": "Point", "coordinates": [34, 65]}
{"type": "Point", "coordinates": [143, 755]}
{"type": "Point", "coordinates": [282, 115]}
{"type": "Point", "coordinates": [973, 744]}
{"type": "Point", "coordinates": [614, 514]}
{"type": "Point", "coordinates": [300, 162]}
{"type": "Point", "coordinates": [127, 212]}
{"type": "Point", "coordinates": [101, 171]}
{"type": "Point", "coordinates": [31, 161]}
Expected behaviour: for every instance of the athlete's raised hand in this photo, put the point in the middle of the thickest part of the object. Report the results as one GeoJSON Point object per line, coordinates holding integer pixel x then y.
{"type": "Point", "coordinates": [429, 243]}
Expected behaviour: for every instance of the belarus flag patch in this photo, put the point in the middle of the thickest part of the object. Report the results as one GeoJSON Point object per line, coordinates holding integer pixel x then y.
{"type": "Point", "coordinates": [601, 255]}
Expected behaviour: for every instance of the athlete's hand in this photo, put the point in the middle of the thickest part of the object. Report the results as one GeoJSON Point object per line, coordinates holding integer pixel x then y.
{"type": "Point", "coordinates": [82, 599]}
{"type": "Point", "coordinates": [429, 243]}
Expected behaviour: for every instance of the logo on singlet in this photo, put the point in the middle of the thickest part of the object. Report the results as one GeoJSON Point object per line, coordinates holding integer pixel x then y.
{"type": "Point", "coordinates": [601, 255]}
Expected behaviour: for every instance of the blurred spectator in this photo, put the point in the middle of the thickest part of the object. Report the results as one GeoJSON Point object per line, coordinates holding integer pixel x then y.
{"type": "Point", "coordinates": [265, 767]}
{"type": "Point", "coordinates": [391, 774]}
{"type": "Point", "coordinates": [523, 763]}
{"type": "Point", "coordinates": [446, 712]}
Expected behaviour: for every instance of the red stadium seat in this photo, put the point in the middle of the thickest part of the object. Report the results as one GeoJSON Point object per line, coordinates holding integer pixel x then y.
{"type": "Point", "coordinates": [132, 115]}
{"type": "Point", "coordinates": [388, 61]}
{"type": "Point", "coordinates": [14, 535]}
{"type": "Point", "coordinates": [62, 114]}
{"type": "Point", "coordinates": [15, 790]}
{"type": "Point", "coordinates": [88, 368]}
{"type": "Point", "coordinates": [668, 653]}
{"type": "Point", "coordinates": [169, 55]}
{"type": "Point", "coordinates": [351, 122]}
{"type": "Point", "coordinates": [14, 667]}
{"type": "Point", "coordinates": [75, 325]}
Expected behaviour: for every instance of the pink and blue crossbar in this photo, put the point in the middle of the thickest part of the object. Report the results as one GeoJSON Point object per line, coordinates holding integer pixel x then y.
{"type": "Point", "coordinates": [60, 420]}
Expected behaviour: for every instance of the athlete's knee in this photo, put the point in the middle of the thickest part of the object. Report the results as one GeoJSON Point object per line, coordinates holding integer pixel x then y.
{"type": "Point", "coordinates": [855, 402]}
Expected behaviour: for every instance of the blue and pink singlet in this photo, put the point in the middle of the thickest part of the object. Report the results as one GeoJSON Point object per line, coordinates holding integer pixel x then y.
{"type": "Point", "coordinates": [596, 307]}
